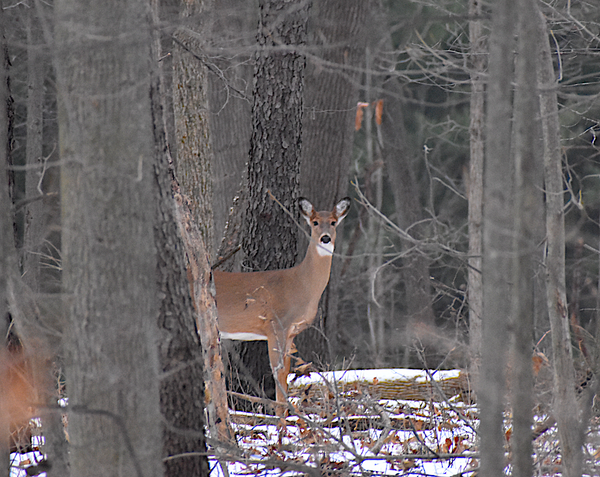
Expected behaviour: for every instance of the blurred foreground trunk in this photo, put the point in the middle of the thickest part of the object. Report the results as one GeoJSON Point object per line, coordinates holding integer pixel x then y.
{"type": "Point", "coordinates": [108, 200]}
{"type": "Point", "coordinates": [497, 241]}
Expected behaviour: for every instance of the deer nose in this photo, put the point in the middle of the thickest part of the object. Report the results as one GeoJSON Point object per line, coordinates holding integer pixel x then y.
{"type": "Point", "coordinates": [325, 239]}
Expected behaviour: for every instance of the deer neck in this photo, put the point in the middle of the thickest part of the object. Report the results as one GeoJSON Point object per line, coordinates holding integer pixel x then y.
{"type": "Point", "coordinates": [315, 268]}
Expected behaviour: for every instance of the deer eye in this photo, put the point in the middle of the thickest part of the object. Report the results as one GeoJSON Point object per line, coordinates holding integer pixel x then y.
{"type": "Point", "coordinates": [333, 223]}
{"type": "Point", "coordinates": [315, 223]}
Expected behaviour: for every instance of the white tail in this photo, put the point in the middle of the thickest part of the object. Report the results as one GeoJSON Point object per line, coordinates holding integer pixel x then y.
{"type": "Point", "coordinates": [276, 305]}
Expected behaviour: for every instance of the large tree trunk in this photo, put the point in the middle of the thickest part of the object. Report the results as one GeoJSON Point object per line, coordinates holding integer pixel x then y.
{"type": "Point", "coordinates": [497, 241]}
{"type": "Point", "coordinates": [194, 163]}
{"type": "Point", "coordinates": [182, 387]}
{"type": "Point", "coordinates": [269, 240]}
{"type": "Point", "coordinates": [565, 406]}
{"type": "Point", "coordinates": [180, 354]}
{"type": "Point", "coordinates": [337, 33]}
{"type": "Point", "coordinates": [103, 61]}
{"type": "Point", "coordinates": [275, 144]}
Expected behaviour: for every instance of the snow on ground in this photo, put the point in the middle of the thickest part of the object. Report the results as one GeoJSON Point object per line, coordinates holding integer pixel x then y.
{"type": "Point", "coordinates": [369, 375]}
{"type": "Point", "coordinates": [421, 437]}
{"type": "Point", "coordinates": [19, 462]}
{"type": "Point", "coordinates": [405, 451]}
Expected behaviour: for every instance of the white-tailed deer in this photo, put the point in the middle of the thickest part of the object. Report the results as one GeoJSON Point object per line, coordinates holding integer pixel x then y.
{"type": "Point", "coordinates": [276, 305]}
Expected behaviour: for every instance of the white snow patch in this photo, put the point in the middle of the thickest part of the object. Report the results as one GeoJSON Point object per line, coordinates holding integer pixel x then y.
{"type": "Point", "coordinates": [370, 375]}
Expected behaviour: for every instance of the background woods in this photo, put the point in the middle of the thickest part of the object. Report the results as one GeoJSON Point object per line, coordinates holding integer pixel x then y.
{"type": "Point", "coordinates": [473, 241]}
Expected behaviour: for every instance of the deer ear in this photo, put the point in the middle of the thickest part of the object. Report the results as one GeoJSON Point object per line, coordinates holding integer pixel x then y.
{"type": "Point", "coordinates": [342, 208]}
{"type": "Point", "coordinates": [306, 208]}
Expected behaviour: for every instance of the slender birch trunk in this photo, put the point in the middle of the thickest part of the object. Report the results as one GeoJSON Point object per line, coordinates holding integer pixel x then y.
{"type": "Point", "coordinates": [475, 185]}
{"type": "Point", "coordinates": [565, 404]}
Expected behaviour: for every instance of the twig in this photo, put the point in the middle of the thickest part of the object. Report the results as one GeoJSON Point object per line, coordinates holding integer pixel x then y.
{"type": "Point", "coordinates": [386, 430]}
{"type": "Point", "coordinates": [221, 260]}
{"type": "Point", "coordinates": [445, 399]}
{"type": "Point", "coordinates": [210, 66]}
{"type": "Point", "coordinates": [254, 399]}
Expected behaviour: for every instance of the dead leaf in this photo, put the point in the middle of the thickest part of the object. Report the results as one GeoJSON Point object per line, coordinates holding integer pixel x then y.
{"type": "Point", "coordinates": [538, 360]}
{"type": "Point", "coordinates": [302, 370]}
{"type": "Point", "coordinates": [407, 464]}
{"type": "Point", "coordinates": [446, 446]}
{"type": "Point", "coordinates": [378, 111]}
{"type": "Point", "coordinates": [359, 115]}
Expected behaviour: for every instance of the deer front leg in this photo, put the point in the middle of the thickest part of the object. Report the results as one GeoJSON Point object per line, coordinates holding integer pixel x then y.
{"type": "Point", "coordinates": [279, 357]}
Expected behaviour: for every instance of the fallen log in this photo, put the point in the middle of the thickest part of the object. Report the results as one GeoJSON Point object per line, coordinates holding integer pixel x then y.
{"type": "Point", "coordinates": [392, 384]}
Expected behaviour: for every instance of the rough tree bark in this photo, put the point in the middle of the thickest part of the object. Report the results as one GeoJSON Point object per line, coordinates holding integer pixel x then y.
{"type": "Point", "coordinates": [191, 111]}
{"type": "Point", "coordinates": [180, 353]}
{"type": "Point", "coordinates": [103, 61]}
{"type": "Point", "coordinates": [275, 144]}
{"type": "Point", "coordinates": [497, 240]}
{"type": "Point", "coordinates": [203, 296]}
{"type": "Point", "coordinates": [182, 385]}
{"type": "Point", "coordinates": [565, 404]}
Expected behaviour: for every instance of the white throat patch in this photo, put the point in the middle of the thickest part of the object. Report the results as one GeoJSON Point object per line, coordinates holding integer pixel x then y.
{"type": "Point", "coordinates": [325, 249]}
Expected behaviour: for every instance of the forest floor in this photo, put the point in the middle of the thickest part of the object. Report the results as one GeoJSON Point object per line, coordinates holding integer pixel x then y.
{"type": "Point", "coordinates": [367, 422]}
{"type": "Point", "coordinates": [400, 422]}
{"type": "Point", "coordinates": [374, 423]}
